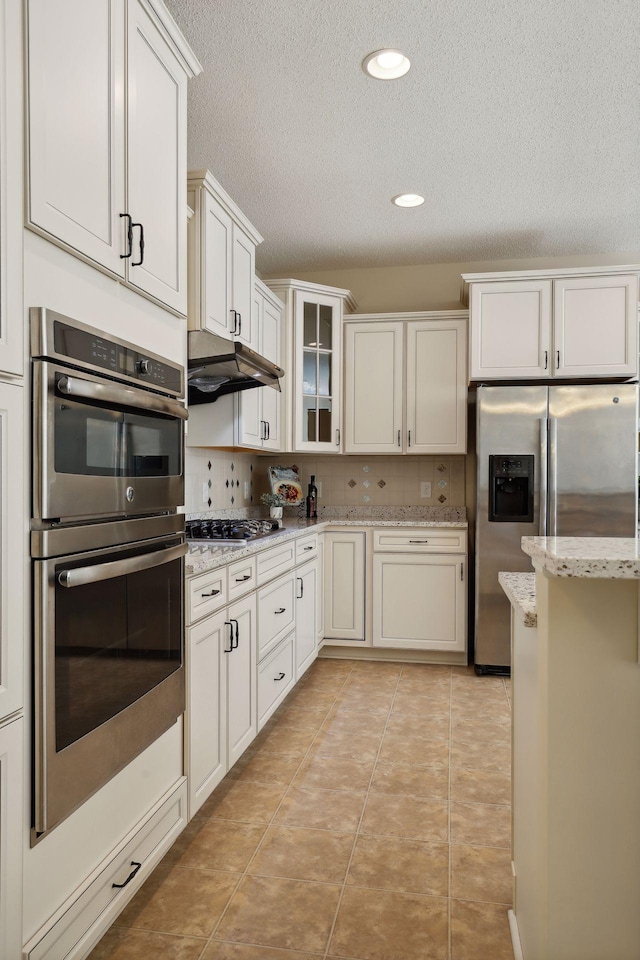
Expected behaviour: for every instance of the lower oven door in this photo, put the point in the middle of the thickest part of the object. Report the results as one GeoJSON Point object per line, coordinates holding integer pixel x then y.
{"type": "Point", "coordinates": [103, 448]}
{"type": "Point", "coordinates": [109, 658]}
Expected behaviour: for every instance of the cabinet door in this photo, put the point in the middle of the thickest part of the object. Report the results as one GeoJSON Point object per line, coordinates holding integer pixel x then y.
{"type": "Point", "coordinates": [11, 831]}
{"type": "Point", "coordinates": [307, 615]}
{"type": "Point", "coordinates": [595, 327]}
{"type": "Point", "coordinates": [419, 602]}
{"type": "Point", "coordinates": [510, 329]}
{"type": "Point", "coordinates": [12, 639]}
{"type": "Point", "coordinates": [156, 162]}
{"type": "Point", "coordinates": [251, 428]}
{"type": "Point", "coordinates": [76, 125]}
{"type": "Point", "coordinates": [205, 731]}
{"type": "Point", "coordinates": [11, 190]}
{"type": "Point", "coordinates": [436, 387]}
{"type": "Point", "coordinates": [216, 248]}
{"type": "Point", "coordinates": [271, 331]}
{"type": "Point", "coordinates": [344, 577]}
{"type": "Point", "coordinates": [242, 709]}
{"type": "Point", "coordinates": [373, 387]}
{"type": "Point", "coordinates": [242, 285]}
{"type": "Point", "coordinates": [317, 375]}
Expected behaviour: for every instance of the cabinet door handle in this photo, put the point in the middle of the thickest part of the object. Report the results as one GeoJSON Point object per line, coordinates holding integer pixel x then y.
{"type": "Point", "coordinates": [235, 330]}
{"type": "Point", "coordinates": [234, 643]}
{"type": "Point", "coordinates": [243, 579]}
{"type": "Point", "coordinates": [338, 437]}
{"type": "Point", "coordinates": [268, 436]}
{"type": "Point", "coordinates": [418, 541]}
{"type": "Point", "coordinates": [136, 866]}
{"type": "Point", "coordinates": [138, 263]}
{"type": "Point", "coordinates": [281, 610]}
{"type": "Point", "coordinates": [228, 623]}
{"type": "Point", "coordinates": [399, 440]}
{"type": "Point", "coordinates": [127, 255]}
{"type": "Point", "coordinates": [301, 594]}
{"type": "Point", "coordinates": [409, 439]}
{"type": "Point", "coordinates": [280, 676]}
{"type": "Point", "coordinates": [557, 359]}
{"type": "Point", "coordinates": [214, 593]}
{"type": "Point", "coordinates": [546, 359]}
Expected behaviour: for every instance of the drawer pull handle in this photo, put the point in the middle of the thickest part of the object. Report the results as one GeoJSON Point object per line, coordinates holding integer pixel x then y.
{"type": "Point", "coordinates": [242, 579]}
{"type": "Point", "coordinates": [214, 593]}
{"type": "Point", "coordinates": [308, 548]}
{"type": "Point", "coordinates": [136, 866]}
{"type": "Point", "coordinates": [418, 541]}
{"type": "Point", "coordinates": [281, 610]}
{"type": "Point", "coordinates": [280, 676]}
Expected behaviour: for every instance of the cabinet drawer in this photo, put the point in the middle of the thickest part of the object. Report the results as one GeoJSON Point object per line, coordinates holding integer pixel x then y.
{"type": "Point", "coordinates": [276, 612]}
{"type": "Point", "coordinates": [273, 562]}
{"type": "Point", "coordinates": [420, 540]}
{"type": "Point", "coordinates": [241, 577]}
{"type": "Point", "coordinates": [307, 548]}
{"type": "Point", "coordinates": [275, 679]}
{"type": "Point", "coordinates": [87, 918]}
{"type": "Point", "coordinates": [206, 593]}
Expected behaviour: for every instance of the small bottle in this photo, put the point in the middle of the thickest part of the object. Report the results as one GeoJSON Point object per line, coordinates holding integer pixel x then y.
{"type": "Point", "coordinates": [312, 500]}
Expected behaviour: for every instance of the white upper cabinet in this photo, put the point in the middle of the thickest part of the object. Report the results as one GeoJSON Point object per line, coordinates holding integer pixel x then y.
{"type": "Point", "coordinates": [595, 327]}
{"type": "Point", "coordinates": [556, 325]}
{"type": "Point", "coordinates": [222, 245]}
{"type": "Point", "coordinates": [156, 161]}
{"type": "Point", "coordinates": [11, 202]}
{"type": "Point", "coordinates": [405, 384]}
{"type": "Point", "coordinates": [107, 138]}
{"type": "Point", "coordinates": [259, 410]}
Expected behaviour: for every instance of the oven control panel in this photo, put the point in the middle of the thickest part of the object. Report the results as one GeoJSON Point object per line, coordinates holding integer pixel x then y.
{"type": "Point", "coordinates": [61, 338]}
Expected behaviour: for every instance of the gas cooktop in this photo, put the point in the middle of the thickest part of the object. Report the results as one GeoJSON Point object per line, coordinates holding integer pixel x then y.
{"type": "Point", "coordinates": [236, 532]}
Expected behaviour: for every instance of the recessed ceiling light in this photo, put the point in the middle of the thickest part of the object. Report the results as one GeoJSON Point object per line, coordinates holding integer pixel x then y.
{"type": "Point", "coordinates": [407, 200]}
{"type": "Point", "coordinates": [386, 64]}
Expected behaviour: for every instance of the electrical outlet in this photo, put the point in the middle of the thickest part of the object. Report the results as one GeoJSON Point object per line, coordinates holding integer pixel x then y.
{"type": "Point", "coordinates": [205, 492]}
{"type": "Point", "coordinates": [319, 487]}
{"type": "Point", "coordinates": [425, 488]}
{"type": "Point", "coordinates": [247, 493]}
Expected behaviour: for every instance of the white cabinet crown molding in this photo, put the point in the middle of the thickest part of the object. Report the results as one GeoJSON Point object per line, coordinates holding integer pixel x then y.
{"type": "Point", "coordinates": [204, 178]}
{"type": "Point", "coordinates": [556, 273]}
{"type": "Point", "coordinates": [181, 48]}
{"type": "Point", "coordinates": [305, 286]}
{"type": "Point", "coordinates": [413, 315]}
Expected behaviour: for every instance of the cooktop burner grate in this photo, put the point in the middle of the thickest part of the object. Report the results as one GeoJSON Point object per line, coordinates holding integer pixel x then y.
{"type": "Point", "coordinates": [237, 532]}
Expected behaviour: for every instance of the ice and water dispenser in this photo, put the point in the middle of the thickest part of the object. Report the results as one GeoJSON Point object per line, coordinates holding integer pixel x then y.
{"type": "Point", "coordinates": [511, 488]}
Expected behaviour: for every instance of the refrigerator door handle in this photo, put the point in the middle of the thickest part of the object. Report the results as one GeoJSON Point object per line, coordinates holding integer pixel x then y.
{"type": "Point", "coordinates": [553, 476]}
{"type": "Point", "coordinates": [544, 475]}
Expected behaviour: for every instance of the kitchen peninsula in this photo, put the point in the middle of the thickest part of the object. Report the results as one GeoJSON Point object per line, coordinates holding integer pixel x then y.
{"type": "Point", "coordinates": [576, 748]}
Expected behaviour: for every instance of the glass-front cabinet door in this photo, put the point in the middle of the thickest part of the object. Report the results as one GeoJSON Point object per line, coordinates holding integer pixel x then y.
{"type": "Point", "coordinates": [318, 366]}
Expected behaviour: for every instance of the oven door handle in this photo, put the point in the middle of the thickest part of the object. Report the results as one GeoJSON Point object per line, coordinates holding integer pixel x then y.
{"type": "Point", "coordinates": [80, 576]}
{"type": "Point", "coordinates": [123, 396]}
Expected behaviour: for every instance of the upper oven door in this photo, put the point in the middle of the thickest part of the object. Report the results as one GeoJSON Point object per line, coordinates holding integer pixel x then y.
{"type": "Point", "coordinates": [101, 448]}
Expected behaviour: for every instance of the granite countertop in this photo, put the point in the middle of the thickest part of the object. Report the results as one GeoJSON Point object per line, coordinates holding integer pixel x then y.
{"type": "Point", "coordinates": [604, 558]}
{"type": "Point", "coordinates": [520, 588]}
{"type": "Point", "coordinates": [203, 557]}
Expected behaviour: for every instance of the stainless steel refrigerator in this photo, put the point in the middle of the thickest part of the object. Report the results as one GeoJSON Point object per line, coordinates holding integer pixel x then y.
{"type": "Point", "coordinates": [551, 461]}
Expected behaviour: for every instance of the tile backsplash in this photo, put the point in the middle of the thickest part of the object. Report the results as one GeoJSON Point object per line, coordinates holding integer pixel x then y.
{"type": "Point", "coordinates": [219, 480]}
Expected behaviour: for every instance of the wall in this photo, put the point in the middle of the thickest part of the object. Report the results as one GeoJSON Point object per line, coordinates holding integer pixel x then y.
{"type": "Point", "coordinates": [223, 475]}
{"type": "Point", "coordinates": [432, 286]}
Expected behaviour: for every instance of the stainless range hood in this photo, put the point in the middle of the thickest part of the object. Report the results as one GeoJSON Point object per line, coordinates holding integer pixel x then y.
{"type": "Point", "coordinates": [217, 366]}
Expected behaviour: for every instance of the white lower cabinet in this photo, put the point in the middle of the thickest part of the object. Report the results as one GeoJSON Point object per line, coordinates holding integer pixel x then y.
{"type": "Point", "coordinates": [344, 585]}
{"type": "Point", "coordinates": [221, 702]}
{"type": "Point", "coordinates": [11, 808]}
{"type": "Point", "coordinates": [308, 614]}
{"type": "Point", "coordinates": [419, 601]}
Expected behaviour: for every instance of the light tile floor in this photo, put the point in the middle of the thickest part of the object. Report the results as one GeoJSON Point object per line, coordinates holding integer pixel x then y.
{"type": "Point", "coordinates": [369, 820]}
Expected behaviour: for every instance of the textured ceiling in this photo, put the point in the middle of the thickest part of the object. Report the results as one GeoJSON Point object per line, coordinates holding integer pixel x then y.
{"type": "Point", "coordinates": [518, 121]}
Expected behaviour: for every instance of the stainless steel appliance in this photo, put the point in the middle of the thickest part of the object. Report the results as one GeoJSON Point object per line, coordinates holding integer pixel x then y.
{"type": "Point", "coordinates": [218, 366]}
{"type": "Point", "coordinates": [219, 532]}
{"type": "Point", "coordinates": [551, 461]}
{"type": "Point", "coordinates": [108, 427]}
{"type": "Point", "coordinates": [107, 551]}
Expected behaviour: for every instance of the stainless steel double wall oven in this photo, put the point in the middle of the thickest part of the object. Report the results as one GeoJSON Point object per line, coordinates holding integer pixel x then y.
{"type": "Point", "coordinates": [107, 547]}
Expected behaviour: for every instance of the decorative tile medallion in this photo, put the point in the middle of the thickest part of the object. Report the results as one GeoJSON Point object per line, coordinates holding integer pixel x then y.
{"type": "Point", "coordinates": [366, 483]}
{"type": "Point", "coordinates": [209, 483]}
{"type": "Point", "coordinates": [232, 468]}
{"type": "Point", "coordinates": [351, 483]}
{"type": "Point", "coordinates": [209, 501]}
{"type": "Point", "coordinates": [381, 484]}
{"type": "Point", "coordinates": [366, 498]}
{"type": "Point", "coordinates": [441, 468]}
{"type": "Point", "coordinates": [366, 469]}
{"type": "Point", "coordinates": [227, 483]}
{"type": "Point", "coordinates": [442, 498]}
{"type": "Point", "coordinates": [209, 465]}
{"type": "Point", "coordinates": [442, 483]}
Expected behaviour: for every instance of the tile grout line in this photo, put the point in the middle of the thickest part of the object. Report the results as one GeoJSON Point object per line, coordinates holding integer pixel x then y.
{"type": "Point", "coordinates": [364, 807]}
{"type": "Point", "coordinates": [245, 872]}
